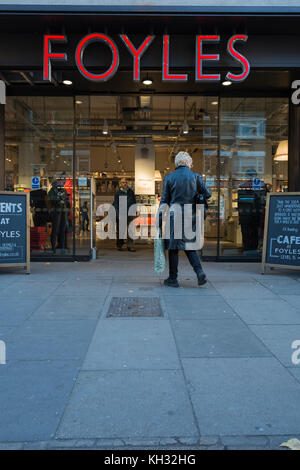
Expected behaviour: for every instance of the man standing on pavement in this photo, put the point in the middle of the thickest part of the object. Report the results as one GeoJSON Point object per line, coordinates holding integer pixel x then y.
{"type": "Point", "coordinates": [183, 188]}
{"type": "Point", "coordinates": [124, 190]}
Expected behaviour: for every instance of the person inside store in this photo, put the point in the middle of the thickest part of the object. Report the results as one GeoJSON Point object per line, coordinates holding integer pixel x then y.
{"type": "Point", "coordinates": [38, 205]}
{"type": "Point", "coordinates": [251, 204]}
{"type": "Point", "coordinates": [59, 212]}
{"type": "Point", "coordinates": [84, 212]}
{"type": "Point", "coordinates": [182, 187]}
{"type": "Point", "coordinates": [124, 190]}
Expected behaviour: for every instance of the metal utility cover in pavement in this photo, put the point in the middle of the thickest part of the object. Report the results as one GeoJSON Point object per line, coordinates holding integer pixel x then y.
{"type": "Point", "coordinates": [135, 307]}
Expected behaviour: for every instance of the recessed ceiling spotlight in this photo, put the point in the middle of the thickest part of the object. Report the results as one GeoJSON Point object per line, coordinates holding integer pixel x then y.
{"type": "Point", "coordinates": [105, 127]}
{"type": "Point", "coordinates": [214, 103]}
{"type": "Point", "coordinates": [185, 128]}
{"type": "Point", "coordinates": [147, 81]}
{"type": "Point", "coordinates": [78, 102]}
{"type": "Point", "coordinates": [67, 82]}
{"type": "Point", "coordinates": [226, 83]}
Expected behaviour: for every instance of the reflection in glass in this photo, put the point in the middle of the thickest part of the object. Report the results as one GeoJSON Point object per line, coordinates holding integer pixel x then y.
{"type": "Point", "coordinates": [39, 153]}
{"type": "Point", "coordinates": [251, 132]}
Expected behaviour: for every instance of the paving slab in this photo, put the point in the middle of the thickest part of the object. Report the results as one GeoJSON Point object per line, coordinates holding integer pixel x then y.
{"type": "Point", "coordinates": [33, 396]}
{"type": "Point", "coordinates": [132, 344]}
{"type": "Point", "coordinates": [5, 332]}
{"type": "Point", "coordinates": [216, 338]}
{"type": "Point", "coordinates": [6, 281]}
{"type": "Point", "coordinates": [134, 389]}
{"type": "Point", "coordinates": [134, 290]}
{"type": "Point", "coordinates": [295, 371]}
{"type": "Point", "coordinates": [129, 404]}
{"type": "Point", "coordinates": [86, 287]}
{"type": "Point", "coordinates": [141, 281]}
{"type": "Point", "coordinates": [265, 311]}
{"type": "Point", "coordinates": [12, 274]}
{"type": "Point", "coordinates": [245, 441]}
{"type": "Point", "coordinates": [243, 396]}
{"type": "Point", "coordinates": [195, 308]}
{"type": "Point", "coordinates": [16, 311]}
{"type": "Point", "coordinates": [293, 300]}
{"type": "Point", "coordinates": [189, 287]}
{"type": "Point", "coordinates": [279, 339]}
{"type": "Point", "coordinates": [33, 289]}
{"type": "Point", "coordinates": [281, 286]}
{"type": "Point", "coordinates": [243, 289]}
{"type": "Point", "coordinates": [67, 307]}
{"type": "Point", "coordinates": [50, 340]}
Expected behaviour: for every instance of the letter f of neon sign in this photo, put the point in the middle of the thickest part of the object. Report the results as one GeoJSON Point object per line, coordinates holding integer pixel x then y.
{"type": "Point", "coordinates": [48, 54]}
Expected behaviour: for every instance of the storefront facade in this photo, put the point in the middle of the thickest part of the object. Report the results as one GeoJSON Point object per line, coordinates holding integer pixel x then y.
{"type": "Point", "coordinates": [78, 107]}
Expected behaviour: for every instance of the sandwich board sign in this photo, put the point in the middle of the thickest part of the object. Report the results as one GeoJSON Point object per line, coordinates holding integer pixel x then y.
{"type": "Point", "coordinates": [14, 230]}
{"type": "Point", "coordinates": [281, 246]}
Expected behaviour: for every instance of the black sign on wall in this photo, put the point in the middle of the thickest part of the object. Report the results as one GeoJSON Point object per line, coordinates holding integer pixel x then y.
{"type": "Point", "coordinates": [282, 231]}
{"type": "Point", "coordinates": [14, 230]}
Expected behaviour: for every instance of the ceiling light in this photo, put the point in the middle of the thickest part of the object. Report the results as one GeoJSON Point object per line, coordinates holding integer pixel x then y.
{"type": "Point", "coordinates": [78, 102]}
{"type": "Point", "coordinates": [185, 128]}
{"type": "Point", "coordinates": [67, 82]}
{"type": "Point", "coordinates": [105, 127]}
{"type": "Point", "coordinates": [226, 83]}
{"type": "Point", "coordinates": [147, 81]}
{"type": "Point", "coordinates": [214, 103]}
{"type": "Point", "coordinates": [119, 161]}
{"type": "Point", "coordinates": [282, 154]}
{"type": "Point", "coordinates": [157, 176]}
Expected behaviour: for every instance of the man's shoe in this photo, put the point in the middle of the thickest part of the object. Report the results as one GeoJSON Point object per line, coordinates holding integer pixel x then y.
{"type": "Point", "coordinates": [131, 249]}
{"type": "Point", "coordinates": [171, 282]}
{"type": "Point", "coordinates": [201, 278]}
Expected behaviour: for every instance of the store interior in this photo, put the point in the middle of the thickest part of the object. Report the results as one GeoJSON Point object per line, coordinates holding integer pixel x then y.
{"type": "Point", "coordinates": [79, 148]}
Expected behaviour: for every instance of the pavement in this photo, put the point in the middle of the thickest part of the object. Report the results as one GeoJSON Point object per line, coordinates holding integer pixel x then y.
{"type": "Point", "coordinates": [209, 368]}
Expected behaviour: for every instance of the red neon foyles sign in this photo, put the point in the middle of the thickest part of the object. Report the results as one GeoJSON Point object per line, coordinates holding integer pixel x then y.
{"type": "Point", "coordinates": [48, 55]}
{"type": "Point", "coordinates": [90, 39]}
{"type": "Point", "coordinates": [138, 52]}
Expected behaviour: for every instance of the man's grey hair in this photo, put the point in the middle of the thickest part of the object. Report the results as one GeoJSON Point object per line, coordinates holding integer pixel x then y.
{"type": "Point", "coordinates": [183, 159]}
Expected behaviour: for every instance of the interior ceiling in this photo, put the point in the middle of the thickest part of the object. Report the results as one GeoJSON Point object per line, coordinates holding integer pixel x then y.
{"type": "Point", "coordinates": [129, 117]}
{"type": "Point", "coordinates": [48, 122]}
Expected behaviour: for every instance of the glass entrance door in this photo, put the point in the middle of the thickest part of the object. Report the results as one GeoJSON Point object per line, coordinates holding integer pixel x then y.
{"type": "Point", "coordinates": [253, 130]}
{"type": "Point", "coordinates": [108, 130]}
{"type": "Point", "coordinates": [84, 215]}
